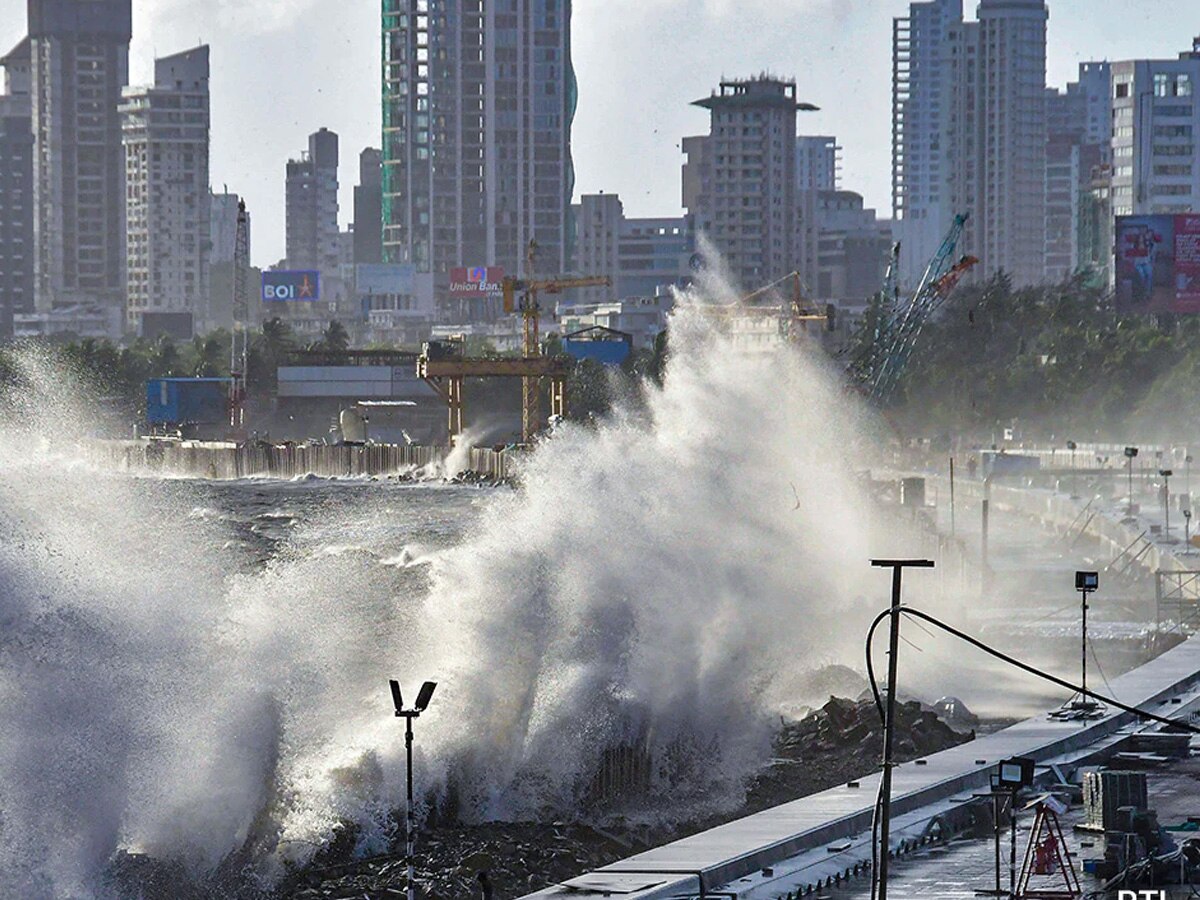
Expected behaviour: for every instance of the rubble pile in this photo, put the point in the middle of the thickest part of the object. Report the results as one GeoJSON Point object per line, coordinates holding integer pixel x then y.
{"type": "Point", "coordinates": [518, 859]}
{"type": "Point", "coordinates": [841, 741]}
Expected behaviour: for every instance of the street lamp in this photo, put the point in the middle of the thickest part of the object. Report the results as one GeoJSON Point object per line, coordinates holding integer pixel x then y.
{"type": "Point", "coordinates": [1130, 454]}
{"type": "Point", "coordinates": [423, 698]}
{"type": "Point", "coordinates": [1166, 477]}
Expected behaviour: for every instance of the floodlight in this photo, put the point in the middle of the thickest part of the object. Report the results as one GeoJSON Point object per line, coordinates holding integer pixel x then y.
{"type": "Point", "coordinates": [1016, 772]}
{"type": "Point", "coordinates": [1131, 452]}
{"type": "Point", "coordinates": [1071, 445]}
{"type": "Point", "coordinates": [1087, 581]}
{"type": "Point", "coordinates": [425, 695]}
{"type": "Point", "coordinates": [397, 699]}
{"type": "Point", "coordinates": [1165, 473]}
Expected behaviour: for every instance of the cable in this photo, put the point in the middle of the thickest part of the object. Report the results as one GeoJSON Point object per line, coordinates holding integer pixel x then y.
{"type": "Point", "coordinates": [1012, 661]}
{"type": "Point", "coordinates": [1003, 657]}
{"type": "Point", "coordinates": [1099, 668]}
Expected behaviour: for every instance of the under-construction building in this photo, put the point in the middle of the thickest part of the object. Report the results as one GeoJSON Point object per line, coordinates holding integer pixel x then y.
{"type": "Point", "coordinates": [167, 205]}
{"type": "Point", "coordinates": [478, 103]}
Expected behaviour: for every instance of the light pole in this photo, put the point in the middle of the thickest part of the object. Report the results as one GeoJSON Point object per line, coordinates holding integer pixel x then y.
{"type": "Point", "coordinates": [1130, 454]}
{"type": "Point", "coordinates": [889, 725]}
{"type": "Point", "coordinates": [1072, 446]}
{"type": "Point", "coordinates": [1166, 477]}
{"type": "Point", "coordinates": [1187, 477]}
{"type": "Point", "coordinates": [423, 698]}
{"type": "Point", "coordinates": [1085, 583]}
{"type": "Point", "coordinates": [1187, 527]}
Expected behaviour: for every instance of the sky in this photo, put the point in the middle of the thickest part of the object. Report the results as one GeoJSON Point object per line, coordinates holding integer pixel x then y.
{"type": "Point", "coordinates": [284, 68]}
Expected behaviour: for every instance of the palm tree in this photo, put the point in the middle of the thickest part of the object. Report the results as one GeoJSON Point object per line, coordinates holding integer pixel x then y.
{"type": "Point", "coordinates": [335, 338]}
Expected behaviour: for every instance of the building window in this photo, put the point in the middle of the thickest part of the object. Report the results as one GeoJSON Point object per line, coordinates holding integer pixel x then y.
{"type": "Point", "coordinates": [1162, 85]}
{"type": "Point", "coordinates": [1183, 85]}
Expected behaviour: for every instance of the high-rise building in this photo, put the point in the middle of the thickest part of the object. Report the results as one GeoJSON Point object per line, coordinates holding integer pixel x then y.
{"type": "Point", "coordinates": [1009, 209]}
{"type": "Point", "coordinates": [16, 190]}
{"type": "Point", "coordinates": [80, 63]}
{"type": "Point", "coordinates": [478, 104]}
{"type": "Point", "coordinates": [1156, 122]}
{"type": "Point", "coordinates": [927, 55]}
{"type": "Point", "coordinates": [368, 208]}
{"type": "Point", "coordinates": [969, 133]}
{"type": "Point", "coordinates": [165, 129]}
{"type": "Point", "coordinates": [223, 220]}
{"type": "Point", "coordinates": [642, 256]}
{"type": "Point", "coordinates": [818, 163]}
{"type": "Point", "coordinates": [740, 179]}
{"type": "Point", "coordinates": [313, 237]}
{"type": "Point", "coordinates": [1077, 141]}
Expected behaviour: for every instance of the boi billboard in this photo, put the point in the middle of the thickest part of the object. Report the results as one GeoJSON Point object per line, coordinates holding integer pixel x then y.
{"type": "Point", "coordinates": [287, 287]}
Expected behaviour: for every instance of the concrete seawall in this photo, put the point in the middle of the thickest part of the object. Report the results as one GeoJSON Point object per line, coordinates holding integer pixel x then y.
{"type": "Point", "coordinates": [201, 459]}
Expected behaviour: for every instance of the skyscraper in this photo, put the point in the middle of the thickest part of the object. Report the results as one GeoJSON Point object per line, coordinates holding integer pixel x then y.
{"type": "Point", "coordinates": [313, 238]}
{"type": "Point", "coordinates": [368, 208]}
{"type": "Point", "coordinates": [969, 133]}
{"type": "Point", "coordinates": [1009, 208]}
{"type": "Point", "coordinates": [80, 63]}
{"type": "Point", "coordinates": [1156, 120]}
{"type": "Point", "coordinates": [223, 219]}
{"type": "Point", "coordinates": [167, 213]}
{"type": "Point", "coordinates": [16, 190]}
{"type": "Point", "coordinates": [478, 104]}
{"type": "Point", "coordinates": [740, 179]}
{"type": "Point", "coordinates": [927, 54]}
{"type": "Point", "coordinates": [818, 163]}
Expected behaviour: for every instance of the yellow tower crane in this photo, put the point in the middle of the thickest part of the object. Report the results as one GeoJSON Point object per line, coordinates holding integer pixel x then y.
{"type": "Point", "coordinates": [530, 309]}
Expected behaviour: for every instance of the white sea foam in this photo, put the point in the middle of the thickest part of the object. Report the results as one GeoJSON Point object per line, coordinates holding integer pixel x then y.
{"type": "Point", "coordinates": [651, 582]}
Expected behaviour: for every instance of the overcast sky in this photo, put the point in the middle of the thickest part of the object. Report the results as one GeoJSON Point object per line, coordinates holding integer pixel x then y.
{"type": "Point", "coordinates": [283, 68]}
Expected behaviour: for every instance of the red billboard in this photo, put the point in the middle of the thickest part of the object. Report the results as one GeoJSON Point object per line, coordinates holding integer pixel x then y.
{"type": "Point", "coordinates": [478, 283]}
{"type": "Point", "coordinates": [1158, 264]}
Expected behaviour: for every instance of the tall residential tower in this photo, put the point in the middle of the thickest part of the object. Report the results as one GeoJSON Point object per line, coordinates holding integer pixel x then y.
{"type": "Point", "coordinates": [167, 201]}
{"type": "Point", "coordinates": [478, 103]}
{"type": "Point", "coordinates": [80, 63]}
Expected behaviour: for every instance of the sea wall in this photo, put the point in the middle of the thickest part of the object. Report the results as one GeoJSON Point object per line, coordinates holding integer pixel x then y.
{"type": "Point", "coordinates": [204, 459]}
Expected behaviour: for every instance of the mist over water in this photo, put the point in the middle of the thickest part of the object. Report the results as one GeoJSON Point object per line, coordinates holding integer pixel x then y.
{"type": "Point", "coordinates": [655, 581]}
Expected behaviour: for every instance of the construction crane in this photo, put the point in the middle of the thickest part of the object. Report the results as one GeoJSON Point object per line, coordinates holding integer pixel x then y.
{"type": "Point", "coordinates": [531, 310]}
{"type": "Point", "coordinates": [896, 330]}
{"type": "Point", "coordinates": [239, 352]}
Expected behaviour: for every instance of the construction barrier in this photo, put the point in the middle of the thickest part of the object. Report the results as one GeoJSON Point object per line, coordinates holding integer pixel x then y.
{"type": "Point", "coordinates": [201, 459]}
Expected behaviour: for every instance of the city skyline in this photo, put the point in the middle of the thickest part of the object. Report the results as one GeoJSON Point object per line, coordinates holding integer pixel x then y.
{"type": "Point", "coordinates": [311, 68]}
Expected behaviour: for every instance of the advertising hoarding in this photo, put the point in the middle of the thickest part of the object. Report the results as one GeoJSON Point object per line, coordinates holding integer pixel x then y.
{"type": "Point", "coordinates": [1158, 264]}
{"type": "Point", "coordinates": [477, 283]}
{"type": "Point", "coordinates": [385, 278]}
{"type": "Point", "coordinates": [289, 287]}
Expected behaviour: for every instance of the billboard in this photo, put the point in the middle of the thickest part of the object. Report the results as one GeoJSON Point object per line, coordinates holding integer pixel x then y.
{"type": "Point", "coordinates": [1158, 264]}
{"type": "Point", "coordinates": [287, 287]}
{"type": "Point", "coordinates": [478, 283]}
{"type": "Point", "coordinates": [383, 278]}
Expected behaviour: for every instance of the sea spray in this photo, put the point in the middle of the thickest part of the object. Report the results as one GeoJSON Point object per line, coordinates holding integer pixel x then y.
{"type": "Point", "coordinates": [655, 580]}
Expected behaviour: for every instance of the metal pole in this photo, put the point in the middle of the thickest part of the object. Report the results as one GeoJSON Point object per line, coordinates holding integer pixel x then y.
{"type": "Point", "coordinates": [1167, 505]}
{"type": "Point", "coordinates": [952, 496]}
{"type": "Point", "coordinates": [1083, 669]}
{"type": "Point", "coordinates": [1129, 509]}
{"type": "Point", "coordinates": [1012, 849]}
{"type": "Point", "coordinates": [889, 731]}
{"type": "Point", "coordinates": [996, 795]}
{"type": "Point", "coordinates": [889, 725]}
{"type": "Point", "coordinates": [409, 819]}
{"type": "Point", "coordinates": [984, 550]}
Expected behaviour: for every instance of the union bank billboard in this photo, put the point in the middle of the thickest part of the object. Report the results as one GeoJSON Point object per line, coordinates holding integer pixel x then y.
{"type": "Point", "coordinates": [478, 283]}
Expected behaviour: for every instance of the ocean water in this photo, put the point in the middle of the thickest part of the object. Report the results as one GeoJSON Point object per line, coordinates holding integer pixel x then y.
{"type": "Point", "coordinates": [199, 671]}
